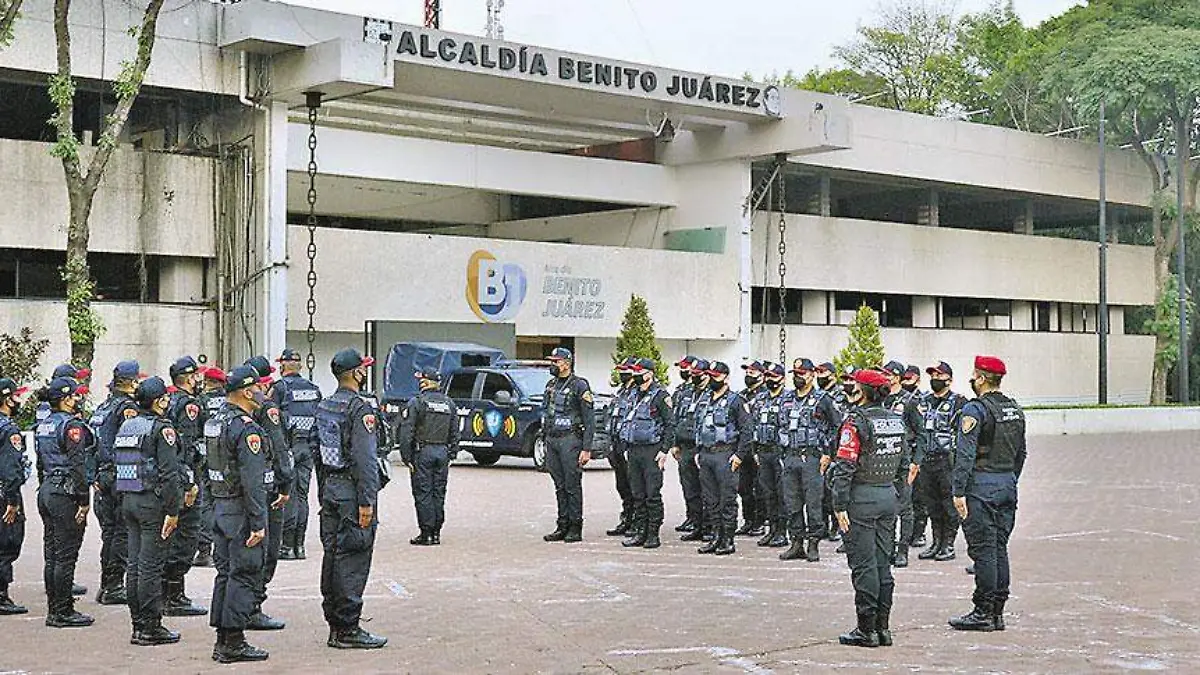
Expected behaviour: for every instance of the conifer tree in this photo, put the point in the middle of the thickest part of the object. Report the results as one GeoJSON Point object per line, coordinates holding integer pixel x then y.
{"type": "Point", "coordinates": [865, 346]}
{"type": "Point", "coordinates": [637, 337]}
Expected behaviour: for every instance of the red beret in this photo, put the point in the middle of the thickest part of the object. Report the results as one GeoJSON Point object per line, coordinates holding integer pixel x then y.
{"type": "Point", "coordinates": [215, 374]}
{"type": "Point", "coordinates": [990, 364]}
{"type": "Point", "coordinates": [871, 378]}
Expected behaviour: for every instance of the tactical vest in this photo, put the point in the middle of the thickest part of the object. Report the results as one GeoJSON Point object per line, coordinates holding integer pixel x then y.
{"type": "Point", "coordinates": [434, 421]}
{"type": "Point", "coordinates": [48, 439]}
{"type": "Point", "coordinates": [998, 441]}
{"type": "Point", "coordinates": [882, 449]}
{"type": "Point", "coordinates": [642, 426]}
{"type": "Point", "coordinates": [8, 428]}
{"type": "Point", "coordinates": [939, 424]}
{"type": "Point", "coordinates": [105, 423]}
{"type": "Point", "coordinates": [716, 425]}
{"type": "Point", "coordinates": [332, 424]}
{"type": "Point", "coordinates": [213, 404]}
{"type": "Point", "coordinates": [42, 412]}
{"type": "Point", "coordinates": [562, 415]}
{"type": "Point", "coordinates": [802, 431]}
{"type": "Point", "coordinates": [212, 437]}
{"type": "Point", "coordinates": [900, 401]}
{"type": "Point", "coordinates": [619, 410]}
{"type": "Point", "coordinates": [134, 452]}
{"type": "Point", "coordinates": [687, 399]}
{"type": "Point", "coordinates": [300, 403]}
{"type": "Point", "coordinates": [223, 475]}
{"type": "Point", "coordinates": [841, 402]}
{"type": "Point", "coordinates": [768, 422]}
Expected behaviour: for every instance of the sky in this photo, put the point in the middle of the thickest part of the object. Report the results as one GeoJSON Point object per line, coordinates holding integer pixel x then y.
{"type": "Point", "coordinates": [719, 37]}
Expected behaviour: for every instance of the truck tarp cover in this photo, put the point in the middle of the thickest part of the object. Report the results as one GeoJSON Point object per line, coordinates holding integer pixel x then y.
{"type": "Point", "coordinates": [407, 358]}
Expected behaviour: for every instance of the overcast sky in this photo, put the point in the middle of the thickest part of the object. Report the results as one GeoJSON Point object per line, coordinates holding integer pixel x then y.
{"type": "Point", "coordinates": [722, 37]}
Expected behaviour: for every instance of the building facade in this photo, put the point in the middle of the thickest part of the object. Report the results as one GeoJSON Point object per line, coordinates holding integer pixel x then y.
{"type": "Point", "coordinates": [460, 180]}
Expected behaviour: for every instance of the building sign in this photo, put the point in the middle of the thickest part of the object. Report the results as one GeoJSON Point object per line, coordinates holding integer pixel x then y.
{"type": "Point", "coordinates": [495, 290]}
{"type": "Point", "coordinates": [534, 64]}
{"type": "Point", "coordinates": [571, 297]}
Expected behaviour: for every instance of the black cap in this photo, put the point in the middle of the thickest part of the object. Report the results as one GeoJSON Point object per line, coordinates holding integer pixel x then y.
{"type": "Point", "coordinates": [941, 367]}
{"type": "Point", "coordinates": [241, 377]}
{"type": "Point", "coordinates": [894, 368]}
{"type": "Point", "coordinates": [912, 370]}
{"type": "Point", "coordinates": [718, 368]}
{"type": "Point", "coordinates": [699, 366]}
{"type": "Point", "coordinates": [645, 365]}
{"type": "Point", "coordinates": [753, 365]}
{"type": "Point", "coordinates": [150, 390]}
{"type": "Point", "coordinates": [10, 388]}
{"type": "Point", "coordinates": [686, 362]}
{"type": "Point", "coordinates": [127, 370]}
{"type": "Point", "coordinates": [775, 371]}
{"type": "Point", "coordinates": [430, 375]}
{"type": "Point", "coordinates": [803, 365]}
{"type": "Point", "coordinates": [261, 365]}
{"type": "Point", "coordinates": [561, 354]}
{"type": "Point", "coordinates": [60, 388]}
{"type": "Point", "coordinates": [68, 370]}
{"type": "Point", "coordinates": [289, 355]}
{"type": "Point", "coordinates": [184, 365]}
{"type": "Point", "coordinates": [827, 366]}
{"type": "Point", "coordinates": [347, 360]}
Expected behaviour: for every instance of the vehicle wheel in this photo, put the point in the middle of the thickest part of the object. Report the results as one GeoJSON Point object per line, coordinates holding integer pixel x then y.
{"type": "Point", "coordinates": [535, 447]}
{"type": "Point", "coordinates": [485, 458]}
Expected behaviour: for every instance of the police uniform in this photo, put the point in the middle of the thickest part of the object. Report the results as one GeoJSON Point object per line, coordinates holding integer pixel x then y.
{"type": "Point", "coordinates": [871, 449]}
{"type": "Point", "coordinates": [211, 402]}
{"type": "Point", "coordinates": [14, 471]}
{"type": "Point", "coordinates": [837, 395]}
{"type": "Point", "coordinates": [428, 440]}
{"type": "Point", "coordinates": [236, 465]}
{"type": "Point", "coordinates": [768, 456]}
{"type": "Point", "coordinates": [62, 441]}
{"type": "Point", "coordinates": [187, 416]}
{"type": "Point", "coordinates": [905, 404]}
{"type": "Point", "coordinates": [149, 480]}
{"type": "Point", "coordinates": [747, 475]}
{"type": "Point", "coordinates": [297, 398]}
{"type": "Point", "coordinates": [114, 543]}
{"type": "Point", "coordinates": [723, 431]}
{"type": "Point", "coordinates": [687, 399]}
{"type": "Point", "coordinates": [934, 484]}
{"type": "Point", "coordinates": [648, 430]}
{"type": "Point", "coordinates": [568, 426]}
{"type": "Point", "coordinates": [808, 433]}
{"type": "Point", "coordinates": [617, 410]}
{"type": "Point", "coordinates": [989, 457]}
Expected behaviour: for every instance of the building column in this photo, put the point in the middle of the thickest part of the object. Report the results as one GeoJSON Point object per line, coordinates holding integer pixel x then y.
{"type": "Point", "coordinates": [1023, 222]}
{"type": "Point", "coordinates": [272, 327]}
{"type": "Point", "coordinates": [927, 213]}
{"type": "Point", "coordinates": [819, 202]}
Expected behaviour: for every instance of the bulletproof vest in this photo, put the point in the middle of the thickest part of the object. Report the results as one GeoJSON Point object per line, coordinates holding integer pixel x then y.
{"type": "Point", "coordinates": [48, 439]}
{"type": "Point", "coordinates": [999, 440]}
{"type": "Point", "coordinates": [687, 399]}
{"type": "Point", "coordinates": [42, 412]}
{"type": "Point", "coordinates": [332, 425]}
{"type": "Point", "coordinates": [223, 475]}
{"type": "Point", "coordinates": [8, 428]}
{"type": "Point", "coordinates": [562, 413]}
{"type": "Point", "coordinates": [802, 431]}
{"type": "Point", "coordinates": [642, 425]}
{"type": "Point", "coordinates": [898, 402]}
{"type": "Point", "coordinates": [300, 403]}
{"type": "Point", "coordinates": [436, 413]}
{"type": "Point", "coordinates": [212, 436]}
{"type": "Point", "coordinates": [717, 423]}
{"type": "Point", "coordinates": [105, 422]}
{"type": "Point", "coordinates": [213, 403]}
{"type": "Point", "coordinates": [383, 440]}
{"type": "Point", "coordinates": [768, 421]}
{"type": "Point", "coordinates": [618, 410]}
{"type": "Point", "coordinates": [882, 447]}
{"type": "Point", "coordinates": [190, 431]}
{"type": "Point", "coordinates": [939, 423]}
{"type": "Point", "coordinates": [133, 449]}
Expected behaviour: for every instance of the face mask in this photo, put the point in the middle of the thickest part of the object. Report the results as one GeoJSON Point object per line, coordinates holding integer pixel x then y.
{"type": "Point", "coordinates": [849, 389]}
{"type": "Point", "coordinates": [974, 387]}
{"type": "Point", "coordinates": [823, 382]}
{"type": "Point", "coordinates": [697, 379]}
{"type": "Point", "coordinates": [856, 396]}
{"type": "Point", "coordinates": [624, 377]}
{"type": "Point", "coordinates": [647, 378]}
{"type": "Point", "coordinates": [260, 399]}
{"type": "Point", "coordinates": [716, 385]}
{"type": "Point", "coordinates": [909, 386]}
{"type": "Point", "coordinates": [938, 386]}
{"type": "Point", "coordinates": [798, 382]}
{"type": "Point", "coordinates": [752, 381]}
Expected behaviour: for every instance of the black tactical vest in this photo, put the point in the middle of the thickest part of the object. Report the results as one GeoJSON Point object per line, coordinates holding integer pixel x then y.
{"type": "Point", "coordinates": [223, 474]}
{"type": "Point", "coordinates": [436, 413]}
{"type": "Point", "coordinates": [133, 450]}
{"type": "Point", "coordinates": [687, 400]}
{"type": "Point", "coordinates": [642, 425]}
{"type": "Point", "coordinates": [882, 449]}
{"type": "Point", "coordinates": [999, 439]}
{"type": "Point", "coordinates": [802, 431]}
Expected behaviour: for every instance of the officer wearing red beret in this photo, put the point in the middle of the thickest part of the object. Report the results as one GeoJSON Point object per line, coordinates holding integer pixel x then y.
{"type": "Point", "coordinates": [871, 449]}
{"type": "Point", "coordinates": [989, 457]}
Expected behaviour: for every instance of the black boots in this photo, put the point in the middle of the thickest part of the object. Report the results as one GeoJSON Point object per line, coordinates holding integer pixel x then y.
{"type": "Point", "coordinates": [203, 556]}
{"type": "Point", "coordinates": [112, 593]}
{"type": "Point", "coordinates": [780, 539]}
{"type": "Point", "coordinates": [690, 524]}
{"type": "Point", "coordinates": [935, 545]}
{"type": "Point", "coordinates": [710, 545]}
{"type": "Point", "coordinates": [796, 552]}
{"type": "Point", "coordinates": [177, 603]}
{"type": "Point", "coordinates": [435, 536]}
{"type": "Point", "coordinates": [423, 539]}
{"type": "Point", "coordinates": [8, 607]}
{"type": "Point", "coordinates": [980, 620]}
{"type": "Point", "coordinates": [559, 533]}
{"type": "Point", "coordinates": [885, 632]}
{"type": "Point", "coordinates": [694, 534]}
{"type": "Point", "coordinates": [814, 550]}
{"type": "Point", "coordinates": [725, 545]}
{"type": "Point", "coordinates": [231, 647]}
{"type": "Point", "coordinates": [750, 528]}
{"type": "Point", "coordinates": [354, 638]}
{"type": "Point", "coordinates": [864, 635]}
{"type": "Point", "coordinates": [901, 558]}
{"type": "Point", "coordinates": [76, 589]}
{"type": "Point", "coordinates": [637, 536]}
{"type": "Point", "coordinates": [153, 636]}
{"type": "Point", "coordinates": [69, 619]}
{"type": "Point", "coordinates": [998, 616]}
{"type": "Point", "coordinates": [260, 621]}
{"type": "Point", "coordinates": [834, 533]}
{"type": "Point", "coordinates": [287, 549]}
{"type": "Point", "coordinates": [946, 552]}
{"type": "Point", "coordinates": [574, 532]}
{"type": "Point", "coordinates": [772, 530]}
{"type": "Point", "coordinates": [623, 526]}
{"type": "Point", "coordinates": [652, 539]}
{"type": "Point", "coordinates": [299, 550]}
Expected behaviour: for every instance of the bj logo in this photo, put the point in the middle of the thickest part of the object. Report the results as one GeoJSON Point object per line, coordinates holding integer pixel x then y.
{"type": "Point", "coordinates": [495, 290]}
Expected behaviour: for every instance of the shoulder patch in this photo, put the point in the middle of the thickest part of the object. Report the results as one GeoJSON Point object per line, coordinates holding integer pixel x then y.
{"type": "Point", "coordinates": [746, 407]}
{"type": "Point", "coordinates": [668, 401]}
{"type": "Point", "coordinates": [192, 411]}
{"type": "Point", "coordinates": [75, 434]}
{"type": "Point", "coordinates": [168, 435]}
{"type": "Point", "coordinates": [254, 442]}
{"type": "Point", "coordinates": [247, 419]}
{"type": "Point", "coordinates": [587, 396]}
{"type": "Point", "coordinates": [130, 413]}
{"type": "Point", "coordinates": [273, 415]}
{"type": "Point", "coordinates": [968, 424]}
{"type": "Point", "coordinates": [16, 441]}
{"type": "Point", "coordinates": [369, 423]}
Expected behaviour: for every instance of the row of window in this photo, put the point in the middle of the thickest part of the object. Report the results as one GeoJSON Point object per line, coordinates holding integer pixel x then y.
{"type": "Point", "coordinates": [37, 274]}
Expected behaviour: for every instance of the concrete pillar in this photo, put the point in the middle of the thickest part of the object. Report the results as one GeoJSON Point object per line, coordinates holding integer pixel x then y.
{"type": "Point", "coordinates": [813, 307]}
{"type": "Point", "coordinates": [1022, 315]}
{"type": "Point", "coordinates": [181, 280]}
{"type": "Point", "coordinates": [1023, 221]}
{"type": "Point", "coordinates": [820, 202]}
{"type": "Point", "coordinates": [274, 329]}
{"type": "Point", "coordinates": [924, 309]}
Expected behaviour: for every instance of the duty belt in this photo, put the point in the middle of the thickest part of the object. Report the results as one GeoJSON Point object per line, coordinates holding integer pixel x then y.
{"type": "Point", "coordinates": [721, 447]}
{"type": "Point", "coordinates": [758, 447]}
{"type": "Point", "coordinates": [798, 452]}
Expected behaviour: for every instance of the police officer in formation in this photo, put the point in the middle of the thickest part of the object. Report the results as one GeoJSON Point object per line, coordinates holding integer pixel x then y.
{"type": "Point", "coordinates": [752, 519]}
{"type": "Point", "coordinates": [768, 455]}
{"type": "Point", "coordinates": [348, 477]}
{"type": "Point", "coordinates": [187, 416]}
{"type": "Point", "coordinates": [428, 439]}
{"type": "Point", "coordinates": [297, 398]}
{"type": "Point", "coordinates": [989, 457]}
{"type": "Point", "coordinates": [807, 422]}
{"type": "Point", "coordinates": [906, 404]}
{"type": "Point", "coordinates": [617, 410]}
{"type": "Point", "coordinates": [80, 375]}
{"type": "Point", "coordinates": [236, 464]}
{"type": "Point", "coordinates": [935, 492]}
{"type": "Point", "coordinates": [14, 471]}
{"type": "Point", "coordinates": [212, 399]}
{"type": "Point", "coordinates": [63, 442]}
{"type": "Point", "coordinates": [724, 439]}
{"type": "Point", "coordinates": [149, 479]}
{"type": "Point", "coordinates": [828, 382]}
{"type": "Point", "coordinates": [647, 433]}
{"type": "Point", "coordinates": [871, 449]}
{"type": "Point", "coordinates": [106, 420]}
{"type": "Point", "coordinates": [567, 426]}
{"type": "Point", "coordinates": [687, 400]}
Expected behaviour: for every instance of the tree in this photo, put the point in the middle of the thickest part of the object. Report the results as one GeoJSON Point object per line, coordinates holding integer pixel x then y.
{"type": "Point", "coordinates": [21, 355]}
{"type": "Point", "coordinates": [9, 11]}
{"type": "Point", "coordinates": [865, 346]}
{"type": "Point", "coordinates": [637, 337]}
{"type": "Point", "coordinates": [82, 322]}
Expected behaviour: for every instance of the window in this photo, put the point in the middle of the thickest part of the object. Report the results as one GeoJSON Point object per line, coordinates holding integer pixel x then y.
{"type": "Point", "coordinates": [8, 279]}
{"type": "Point", "coordinates": [895, 311]}
{"type": "Point", "coordinates": [36, 274]}
{"type": "Point", "coordinates": [493, 383]}
{"type": "Point", "coordinates": [976, 314]}
{"type": "Point", "coordinates": [1076, 318]}
{"type": "Point", "coordinates": [1041, 317]}
{"type": "Point", "coordinates": [462, 386]}
{"type": "Point", "coordinates": [764, 305]}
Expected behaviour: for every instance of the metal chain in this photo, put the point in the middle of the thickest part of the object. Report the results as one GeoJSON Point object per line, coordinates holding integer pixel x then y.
{"type": "Point", "coordinates": [782, 266]}
{"type": "Point", "coordinates": [314, 103]}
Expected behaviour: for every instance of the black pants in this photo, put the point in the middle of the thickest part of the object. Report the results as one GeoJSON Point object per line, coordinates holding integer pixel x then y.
{"type": "Point", "coordinates": [348, 550]}
{"type": "Point", "coordinates": [182, 544]}
{"type": "Point", "coordinates": [620, 465]}
{"type": "Point", "coordinates": [905, 510]}
{"type": "Point", "coordinates": [991, 515]}
{"type": "Point", "coordinates": [295, 513]}
{"type": "Point", "coordinates": [747, 489]}
{"type": "Point", "coordinates": [646, 481]}
{"type": "Point", "coordinates": [562, 461]}
{"type": "Point", "coordinates": [770, 484]}
{"type": "Point", "coordinates": [63, 537]}
{"type": "Point", "coordinates": [431, 471]}
{"type": "Point", "coordinates": [689, 481]}
{"type": "Point", "coordinates": [869, 544]}
{"type": "Point", "coordinates": [270, 551]}
{"type": "Point", "coordinates": [802, 494]}
{"type": "Point", "coordinates": [205, 504]}
{"type": "Point", "coordinates": [920, 504]}
{"type": "Point", "coordinates": [12, 537]}
{"type": "Point", "coordinates": [239, 568]}
{"type": "Point", "coordinates": [937, 496]}
{"type": "Point", "coordinates": [719, 486]}
{"type": "Point", "coordinates": [114, 544]}
{"type": "Point", "coordinates": [143, 515]}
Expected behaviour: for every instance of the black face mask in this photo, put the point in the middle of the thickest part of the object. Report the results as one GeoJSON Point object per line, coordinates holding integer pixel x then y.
{"type": "Point", "coordinates": [625, 377]}
{"type": "Point", "coordinates": [938, 386]}
{"type": "Point", "coordinates": [716, 385]}
{"type": "Point", "coordinates": [823, 382]}
{"type": "Point", "coordinates": [909, 386]}
{"type": "Point", "coordinates": [697, 379]}
{"type": "Point", "coordinates": [974, 387]}
{"type": "Point", "coordinates": [752, 381]}
{"type": "Point", "coordinates": [798, 382]}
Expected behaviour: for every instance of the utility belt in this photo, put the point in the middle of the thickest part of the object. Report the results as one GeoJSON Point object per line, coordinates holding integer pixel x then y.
{"type": "Point", "coordinates": [937, 454]}
{"type": "Point", "coordinates": [812, 451]}
{"type": "Point", "coordinates": [565, 433]}
{"type": "Point", "coordinates": [718, 448]}
{"type": "Point", "coordinates": [767, 449]}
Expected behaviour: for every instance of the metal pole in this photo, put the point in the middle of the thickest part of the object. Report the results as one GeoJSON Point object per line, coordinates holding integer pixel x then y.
{"type": "Point", "coordinates": [1181, 153]}
{"type": "Point", "coordinates": [1102, 324]}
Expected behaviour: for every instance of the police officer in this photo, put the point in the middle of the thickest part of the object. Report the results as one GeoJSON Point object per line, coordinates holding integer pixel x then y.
{"type": "Point", "coordinates": [80, 375]}
{"type": "Point", "coordinates": [14, 470]}
{"type": "Point", "coordinates": [428, 439]}
{"type": "Point", "coordinates": [149, 480]}
{"type": "Point", "coordinates": [870, 452]}
{"type": "Point", "coordinates": [648, 433]}
{"type": "Point", "coordinates": [62, 441]}
{"type": "Point", "coordinates": [752, 519]}
{"type": "Point", "coordinates": [236, 464]}
{"type": "Point", "coordinates": [212, 399]}
{"type": "Point", "coordinates": [767, 450]}
{"type": "Point", "coordinates": [187, 416]}
{"type": "Point", "coordinates": [346, 450]}
{"type": "Point", "coordinates": [723, 439]}
{"type": "Point", "coordinates": [568, 425]}
{"type": "Point", "coordinates": [906, 404]}
{"type": "Point", "coordinates": [687, 398]}
{"type": "Point", "coordinates": [942, 408]}
{"type": "Point", "coordinates": [828, 382]}
{"type": "Point", "coordinates": [809, 422]}
{"type": "Point", "coordinates": [297, 398]}
{"type": "Point", "coordinates": [106, 420]}
{"type": "Point", "coordinates": [618, 409]}
{"type": "Point", "coordinates": [278, 478]}
{"type": "Point", "coordinates": [911, 381]}
{"type": "Point", "coordinates": [989, 457]}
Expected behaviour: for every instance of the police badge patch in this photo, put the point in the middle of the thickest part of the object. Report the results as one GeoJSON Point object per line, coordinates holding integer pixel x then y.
{"type": "Point", "coordinates": [168, 435]}
{"type": "Point", "coordinates": [254, 442]}
{"type": "Point", "coordinates": [15, 441]}
{"type": "Point", "coordinates": [130, 413]}
{"type": "Point", "coordinates": [968, 423]}
{"type": "Point", "coordinates": [369, 423]}
{"type": "Point", "coordinates": [75, 434]}
{"type": "Point", "coordinates": [587, 396]}
{"type": "Point", "coordinates": [192, 410]}
{"type": "Point", "coordinates": [273, 415]}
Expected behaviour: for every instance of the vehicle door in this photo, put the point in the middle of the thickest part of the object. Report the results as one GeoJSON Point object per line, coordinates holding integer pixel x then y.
{"type": "Point", "coordinates": [494, 417]}
{"type": "Point", "coordinates": [463, 388]}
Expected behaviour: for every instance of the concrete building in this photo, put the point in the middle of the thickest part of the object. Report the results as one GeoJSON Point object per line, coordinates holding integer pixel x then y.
{"type": "Point", "coordinates": [461, 180]}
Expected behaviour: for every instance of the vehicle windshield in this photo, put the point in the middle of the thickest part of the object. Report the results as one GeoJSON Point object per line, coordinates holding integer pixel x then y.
{"type": "Point", "coordinates": [532, 382]}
